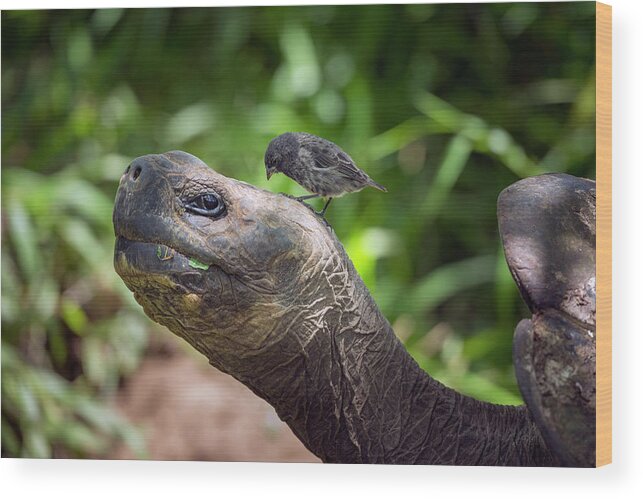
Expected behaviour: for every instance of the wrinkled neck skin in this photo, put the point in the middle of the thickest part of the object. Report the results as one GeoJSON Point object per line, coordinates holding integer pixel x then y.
{"type": "Point", "coordinates": [338, 376]}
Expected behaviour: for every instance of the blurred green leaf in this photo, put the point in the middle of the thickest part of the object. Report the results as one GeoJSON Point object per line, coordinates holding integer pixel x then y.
{"type": "Point", "coordinates": [445, 282]}
{"type": "Point", "coordinates": [300, 76]}
{"type": "Point", "coordinates": [10, 440]}
{"type": "Point", "coordinates": [480, 387]}
{"type": "Point", "coordinates": [81, 438]}
{"type": "Point", "coordinates": [27, 403]}
{"type": "Point", "coordinates": [74, 316]}
{"type": "Point", "coordinates": [401, 135]}
{"type": "Point", "coordinates": [24, 239]}
{"type": "Point", "coordinates": [85, 200]}
{"type": "Point", "coordinates": [43, 299]}
{"type": "Point", "coordinates": [455, 159]}
{"type": "Point", "coordinates": [36, 444]}
{"type": "Point", "coordinates": [190, 122]}
{"type": "Point", "coordinates": [485, 139]}
{"type": "Point", "coordinates": [83, 240]}
{"type": "Point", "coordinates": [367, 247]}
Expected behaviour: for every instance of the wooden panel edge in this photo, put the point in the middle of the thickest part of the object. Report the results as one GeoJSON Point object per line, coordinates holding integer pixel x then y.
{"type": "Point", "coordinates": [603, 234]}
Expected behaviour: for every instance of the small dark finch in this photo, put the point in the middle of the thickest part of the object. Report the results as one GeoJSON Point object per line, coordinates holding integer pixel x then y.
{"type": "Point", "coordinates": [316, 164]}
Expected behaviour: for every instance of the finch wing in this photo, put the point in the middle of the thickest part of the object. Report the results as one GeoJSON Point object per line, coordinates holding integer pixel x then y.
{"type": "Point", "coordinates": [329, 156]}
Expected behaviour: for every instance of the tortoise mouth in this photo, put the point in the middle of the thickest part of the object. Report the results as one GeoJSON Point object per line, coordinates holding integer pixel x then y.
{"type": "Point", "coordinates": [140, 258]}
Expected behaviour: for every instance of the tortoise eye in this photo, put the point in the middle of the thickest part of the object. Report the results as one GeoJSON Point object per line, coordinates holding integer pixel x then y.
{"type": "Point", "coordinates": [209, 205]}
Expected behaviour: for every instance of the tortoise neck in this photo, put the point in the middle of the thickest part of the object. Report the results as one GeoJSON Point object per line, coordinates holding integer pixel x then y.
{"type": "Point", "coordinates": [351, 392]}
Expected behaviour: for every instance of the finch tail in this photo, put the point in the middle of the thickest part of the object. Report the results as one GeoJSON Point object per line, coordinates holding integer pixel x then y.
{"type": "Point", "coordinates": [379, 187]}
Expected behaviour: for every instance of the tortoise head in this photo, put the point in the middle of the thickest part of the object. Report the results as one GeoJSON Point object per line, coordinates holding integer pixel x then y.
{"type": "Point", "coordinates": [205, 253]}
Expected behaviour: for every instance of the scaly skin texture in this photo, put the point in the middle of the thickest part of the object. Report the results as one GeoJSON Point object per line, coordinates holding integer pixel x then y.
{"type": "Point", "coordinates": [282, 309]}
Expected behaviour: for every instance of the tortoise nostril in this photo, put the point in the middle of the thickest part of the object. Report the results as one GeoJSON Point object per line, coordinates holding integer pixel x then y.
{"type": "Point", "coordinates": [137, 173]}
{"type": "Point", "coordinates": [128, 168]}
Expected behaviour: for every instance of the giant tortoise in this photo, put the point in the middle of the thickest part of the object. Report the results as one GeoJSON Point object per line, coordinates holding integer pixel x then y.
{"type": "Point", "coordinates": [261, 286]}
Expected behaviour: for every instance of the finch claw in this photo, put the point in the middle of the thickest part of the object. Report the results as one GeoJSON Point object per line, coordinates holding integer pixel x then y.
{"type": "Point", "coordinates": [299, 199]}
{"type": "Point", "coordinates": [320, 214]}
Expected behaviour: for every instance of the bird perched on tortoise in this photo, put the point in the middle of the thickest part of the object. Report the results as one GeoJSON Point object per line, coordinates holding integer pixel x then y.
{"type": "Point", "coordinates": [317, 164]}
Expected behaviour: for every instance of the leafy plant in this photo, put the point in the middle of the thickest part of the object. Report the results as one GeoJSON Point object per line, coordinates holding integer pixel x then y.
{"type": "Point", "coordinates": [69, 328]}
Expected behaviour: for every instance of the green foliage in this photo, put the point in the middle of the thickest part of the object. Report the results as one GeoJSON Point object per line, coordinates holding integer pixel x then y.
{"type": "Point", "coordinates": [70, 329]}
{"type": "Point", "coordinates": [444, 104]}
{"type": "Point", "coordinates": [46, 416]}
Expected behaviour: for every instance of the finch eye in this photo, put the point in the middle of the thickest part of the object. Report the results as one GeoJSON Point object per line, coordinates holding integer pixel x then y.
{"type": "Point", "coordinates": [209, 205]}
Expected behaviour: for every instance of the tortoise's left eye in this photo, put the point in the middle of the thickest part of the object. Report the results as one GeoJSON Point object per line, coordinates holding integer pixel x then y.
{"type": "Point", "coordinates": [209, 205]}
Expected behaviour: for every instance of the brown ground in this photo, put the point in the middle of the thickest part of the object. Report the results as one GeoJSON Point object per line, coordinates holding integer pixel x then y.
{"type": "Point", "coordinates": [188, 410]}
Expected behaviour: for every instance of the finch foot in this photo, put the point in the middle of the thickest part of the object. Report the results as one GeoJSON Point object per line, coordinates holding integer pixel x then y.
{"type": "Point", "coordinates": [323, 219]}
{"type": "Point", "coordinates": [304, 198]}
{"type": "Point", "coordinates": [323, 212]}
{"type": "Point", "coordinates": [300, 199]}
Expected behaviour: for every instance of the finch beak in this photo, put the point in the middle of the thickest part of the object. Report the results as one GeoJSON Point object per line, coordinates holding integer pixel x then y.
{"type": "Point", "coordinates": [268, 174]}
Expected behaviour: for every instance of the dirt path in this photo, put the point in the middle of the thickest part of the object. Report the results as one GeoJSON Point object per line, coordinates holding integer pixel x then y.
{"type": "Point", "coordinates": [190, 411]}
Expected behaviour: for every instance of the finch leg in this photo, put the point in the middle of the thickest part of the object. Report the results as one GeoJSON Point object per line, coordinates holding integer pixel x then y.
{"type": "Point", "coordinates": [303, 198]}
{"type": "Point", "coordinates": [323, 212]}
{"type": "Point", "coordinates": [294, 198]}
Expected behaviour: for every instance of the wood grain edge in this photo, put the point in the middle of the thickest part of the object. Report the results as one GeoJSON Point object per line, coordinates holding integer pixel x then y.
{"type": "Point", "coordinates": [603, 234]}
